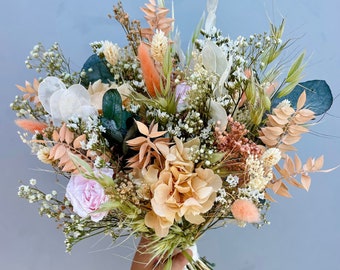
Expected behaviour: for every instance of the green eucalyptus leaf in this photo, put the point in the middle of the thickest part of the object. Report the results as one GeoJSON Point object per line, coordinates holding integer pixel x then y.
{"type": "Point", "coordinates": [112, 106]}
{"type": "Point", "coordinates": [319, 97]}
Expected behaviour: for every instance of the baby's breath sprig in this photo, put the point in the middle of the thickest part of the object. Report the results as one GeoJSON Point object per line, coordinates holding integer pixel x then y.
{"type": "Point", "coordinates": [52, 62]}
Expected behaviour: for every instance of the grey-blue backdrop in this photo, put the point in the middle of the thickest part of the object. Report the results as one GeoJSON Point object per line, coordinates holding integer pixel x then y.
{"type": "Point", "coordinates": [304, 231]}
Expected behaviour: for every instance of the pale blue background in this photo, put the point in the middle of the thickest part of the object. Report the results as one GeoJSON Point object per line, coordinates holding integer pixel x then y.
{"type": "Point", "coordinates": [304, 233]}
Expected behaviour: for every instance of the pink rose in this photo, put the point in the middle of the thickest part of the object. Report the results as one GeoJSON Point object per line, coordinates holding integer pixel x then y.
{"type": "Point", "coordinates": [86, 196]}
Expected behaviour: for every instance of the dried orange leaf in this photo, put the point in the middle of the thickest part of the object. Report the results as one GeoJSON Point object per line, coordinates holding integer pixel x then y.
{"type": "Point", "coordinates": [309, 165]}
{"type": "Point", "coordinates": [268, 142]}
{"type": "Point", "coordinates": [301, 101]}
{"type": "Point", "coordinates": [318, 164]}
{"type": "Point", "coordinates": [276, 121]}
{"type": "Point", "coordinates": [276, 186]}
{"type": "Point", "coordinates": [295, 183]}
{"type": "Point", "coordinates": [268, 197]}
{"type": "Point", "coordinates": [136, 141]}
{"type": "Point", "coordinates": [285, 148]}
{"type": "Point", "coordinates": [296, 130]}
{"type": "Point", "coordinates": [55, 136]}
{"type": "Point", "coordinates": [69, 136]}
{"type": "Point", "coordinates": [290, 139]}
{"type": "Point", "coordinates": [298, 163]}
{"type": "Point", "coordinates": [283, 191]}
{"type": "Point", "coordinates": [289, 165]}
{"type": "Point", "coordinates": [272, 133]}
{"type": "Point", "coordinates": [62, 132]}
{"type": "Point", "coordinates": [306, 181]}
{"type": "Point", "coordinates": [142, 128]}
{"type": "Point", "coordinates": [60, 151]}
{"type": "Point", "coordinates": [69, 167]}
{"type": "Point", "coordinates": [77, 143]}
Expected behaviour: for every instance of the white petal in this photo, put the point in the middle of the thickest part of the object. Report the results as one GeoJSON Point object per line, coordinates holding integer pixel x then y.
{"type": "Point", "coordinates": [54, 107]}
{"type": "Point", "coordinates": [47, 88]}
{"type": "Point", "coordinates": [72, 101]}
{"type": "Point", "coordinates": [213, 57]}
{"type": "Point", "coordinates": [218, 113]}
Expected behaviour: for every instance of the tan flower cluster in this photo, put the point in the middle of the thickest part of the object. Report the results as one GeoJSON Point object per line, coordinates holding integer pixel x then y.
{"type": "Point", "coordinates": [181, 190]}
{"type": "Point", "coordinates": [111, 52]}
{"type": "Point", "coordinates": [159, 46]}
{"type": "Point", "coordinates": [259, 177]}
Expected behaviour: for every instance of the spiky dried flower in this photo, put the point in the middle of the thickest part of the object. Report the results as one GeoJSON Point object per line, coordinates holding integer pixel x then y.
{"type": "Point", "coordinates": [157, 20]}
{"type": "Point", "coordinates": [150, 146]}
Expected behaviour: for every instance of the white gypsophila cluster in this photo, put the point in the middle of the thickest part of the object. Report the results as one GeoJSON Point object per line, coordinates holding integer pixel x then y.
{"type": "Point", "coordinates": [224, 100]}
{"type": "Point", "coordinates": [159, 46]}
{"type": "Point", "coordinates": [248, 193]}
{"type": "Point", "coordinates": [206, 132]}
{"type": "Point", "coordinates": [232, 180]}
{"type": "Point", "coordinates": [258, 177]}
{"type": "Point", "coordinates": [174, 130]}
{"type": "Point", "coordinates": [111, 52]}
{"type": "Point", "coordinates": [99, 162]}
{"type": "Point", "coordinates": [271, 157]}
{"type": "Point", "coordinates": [134, 108]}
{"type": "Point", "coordinates": [221, 196]}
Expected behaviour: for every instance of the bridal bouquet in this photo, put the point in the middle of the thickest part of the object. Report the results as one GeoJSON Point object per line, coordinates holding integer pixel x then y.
{"type": "Point", "coordinates": [153, 142]}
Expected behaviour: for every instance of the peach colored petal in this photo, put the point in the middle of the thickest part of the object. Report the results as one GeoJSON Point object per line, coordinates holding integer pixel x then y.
{"type": "Point", "coordinates": [195, 219]}
{"type": "Point", "coordinates": [159, 224]}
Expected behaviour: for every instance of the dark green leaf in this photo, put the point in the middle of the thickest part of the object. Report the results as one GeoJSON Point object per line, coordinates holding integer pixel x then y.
{"type": "Point", "coordinates": [112, 106]}
{"type": "Point", "coordinates": [95, 69]}
{"type": "Point", "coordinates": [112, 132]}
{"type": "Point", "coordinates": [319, 96]}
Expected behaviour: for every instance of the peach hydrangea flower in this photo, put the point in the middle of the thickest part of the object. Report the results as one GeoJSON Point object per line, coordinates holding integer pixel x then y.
{"type": "Point", "coordinates": [181, 190]}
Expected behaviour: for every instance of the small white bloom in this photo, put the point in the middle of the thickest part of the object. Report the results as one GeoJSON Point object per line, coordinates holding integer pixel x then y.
{"type": "Point", "coordinates": [48, 197]}
{"type": "Point", "coordinates": [33, 182]}
{"type": "Point", "coordinates": [271, 157]}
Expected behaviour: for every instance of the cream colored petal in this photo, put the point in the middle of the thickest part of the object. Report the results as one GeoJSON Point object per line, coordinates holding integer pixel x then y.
{"type": "Point", "coordinates": [194, 219]}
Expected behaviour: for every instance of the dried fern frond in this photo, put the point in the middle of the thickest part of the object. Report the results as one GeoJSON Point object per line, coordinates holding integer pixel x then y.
{"type": "Point", "coordinates": [290, 171]}
{"type": "Point", "coordinates": [31, 91]}
{"type": "Point", "coordinates": [157, 20]}
{"type": "Point", "coordinates": [286, 125]}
